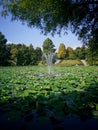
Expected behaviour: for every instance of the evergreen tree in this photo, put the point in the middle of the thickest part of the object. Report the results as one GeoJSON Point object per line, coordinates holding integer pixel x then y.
{"type": "Point", "coordinates": [3, 51]}
{"type": "Point", "coordinates": [61, 51]}
{"type": "Point", "coordinates": [70, 53]}
{"type": "Point", "coordinates": [48, 46]}
{"type": "Point", "coordinates": [38, 53]}
{"type": "Point", "coordinates": [48, 51]}
{"type": "Point", "coordinates": [33, 55]}
{"type": "Point", "coordinates": [14, 53]}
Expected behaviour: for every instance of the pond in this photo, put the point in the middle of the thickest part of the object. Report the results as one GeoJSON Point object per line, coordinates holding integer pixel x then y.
{"type": "Point", "coordinates": [62, 102]}
{"type": "Point", "coordinates": [69, 123]}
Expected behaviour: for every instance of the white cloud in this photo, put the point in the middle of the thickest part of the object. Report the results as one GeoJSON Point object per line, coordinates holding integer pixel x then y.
{"type": "Point", "coordinates": [9, 42]}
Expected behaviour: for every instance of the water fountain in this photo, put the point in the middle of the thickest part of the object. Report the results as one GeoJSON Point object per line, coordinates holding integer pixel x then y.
{"type": "Point", "coordinates": [49, 57]}
{"type": "Point", "coordinates": [49, 60]}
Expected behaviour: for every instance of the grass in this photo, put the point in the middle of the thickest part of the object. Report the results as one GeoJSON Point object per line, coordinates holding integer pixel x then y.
{"type": "Point", "coordinates": [69, 63]}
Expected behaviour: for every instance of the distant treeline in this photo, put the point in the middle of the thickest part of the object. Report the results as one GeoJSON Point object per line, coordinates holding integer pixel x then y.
{"type": "Point", "coordinates": [23, 55]}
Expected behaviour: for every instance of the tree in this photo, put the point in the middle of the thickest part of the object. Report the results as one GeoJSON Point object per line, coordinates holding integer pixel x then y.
{"type": "Point", "coordinates": [77, 52]}
{"type": "Point", "coordinates": [48, 52]}
{"type": "Point", "coordinates": [61, 51]}
{"type": "Point", "coordinates": [3, 51]}
{"type": "Point", "coordinates": [54, 15]}
{"type": "Point", "coordinates": [32, 55]}
{"type": "Point", "coordinates": [81, 52]}
{"type": "Point", "coordinates": [92, 52]}
{"type": "Point", "coordinates": [38, 53]}
{"type": "Point", "coordinates": [14, 53]}
{"type": "Point", "coordinates": [48, 46]}
{"type": "Point", "coordinates": [70, 53]}
{"type": "Point", "coordinates": [20, 54]}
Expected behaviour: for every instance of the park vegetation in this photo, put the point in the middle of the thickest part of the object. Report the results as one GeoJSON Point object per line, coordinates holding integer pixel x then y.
{"type": "Point", "coordinates": [53, 16]}
{"type": "Point", "coordinates": [26, 95]}
{"type": "Point", "coordinates": [23, 94]}
{"type": "Point", "coordinates": [80, 16]}
{"type": "Point", "coordinates": [23, 55]}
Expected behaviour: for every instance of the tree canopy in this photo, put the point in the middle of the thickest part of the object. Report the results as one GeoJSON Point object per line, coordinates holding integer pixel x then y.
{"type": "Point", "coordinates": [18, 54]}
{"type": "Point", "coordinates": [3, 40]}
{"type": "Point", "coordinates": [21, 54]}
{"type": "Point", "coordinates": [51, 16]}
{"type": "Point", "coordinates": [70, 53]}
{"type": "Point", "coordinates": [48, 46]}
{"type": "Point", "coordinates": [3, 51]}
{"type": "Point", "coordinates": [61, 51]}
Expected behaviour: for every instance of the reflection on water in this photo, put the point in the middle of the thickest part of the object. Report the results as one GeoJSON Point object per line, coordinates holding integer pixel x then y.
{"type": "Point", "coordinates": [68, 123]}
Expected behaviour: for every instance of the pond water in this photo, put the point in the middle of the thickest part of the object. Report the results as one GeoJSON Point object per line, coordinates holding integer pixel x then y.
{"type": "Point", "coordinates": [48, 102]}
{"type": "Point", "coordinates": [69, 123]}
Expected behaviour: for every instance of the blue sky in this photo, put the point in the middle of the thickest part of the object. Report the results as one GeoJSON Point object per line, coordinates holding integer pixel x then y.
{"type": "Point", "coordinates": [16, 32]}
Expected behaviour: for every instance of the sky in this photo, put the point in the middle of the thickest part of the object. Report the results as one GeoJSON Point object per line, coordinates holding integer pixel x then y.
{"type": "Point", "coordinates": [16, 32]}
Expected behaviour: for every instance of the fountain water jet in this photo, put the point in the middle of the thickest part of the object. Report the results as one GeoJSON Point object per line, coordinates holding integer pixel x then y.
{"type": "Point", "coordinates": [49, 60]}
{"type": "Point", "coordinates": [49, 57]}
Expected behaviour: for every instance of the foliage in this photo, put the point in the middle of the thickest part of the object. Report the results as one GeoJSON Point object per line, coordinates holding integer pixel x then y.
{"type": "Point", "coordinates": [75, 92]}
{"type": "Point", "coordinates": [14, 53]}
{"type": "Point", "coordinates": [48, 46]}
{"type": "Point", "coordinates": [3, 51]}
{"type": "Point", "coordinates": [3, 40]}
{"type": "Point", "coordinates": [20, 54]}
{"type": "Point", "coordinates": [48, 52]}
{"type": "Point", "coordinates": [81, 52]}
{"type": "Point", "coordinates": [92, 52]}
{"type": "Point", "coordinates": [38, 53]}
{"type": "Point", "coordinates": [70, 53]}
{"type": "Point", "coordinates": [56, 15]}
{"type": "Point", "coordinates": [61, 51]}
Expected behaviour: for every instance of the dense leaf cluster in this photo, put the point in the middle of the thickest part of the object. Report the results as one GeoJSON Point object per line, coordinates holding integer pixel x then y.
{"type": "Point", "coordinates": [22, 94]}
{"type": "Point", "coordinates": [52, 16]}
{"type": "Point", "coordinates": [18, 54]}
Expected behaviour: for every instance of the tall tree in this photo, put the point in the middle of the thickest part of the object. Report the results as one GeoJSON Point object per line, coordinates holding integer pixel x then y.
{"type": "Point", "coordinates": [38, 53]}
{"type": "Point", "coordinates": [21, 56]}
{"type": "Point", "coordinates": [3, 51]}
{"type": "Point", "coordinates": [92, 52]}
{"type": "Point", "coordinates": [48, 46]}
{"type": "Point", "coordinates": [70, 53]}
{"type": "Point", "coordinates": [33, 55]}
{"type": "Point", "coordinates": [14, 53]}
{"type": "Point", "coordinates": [54, 15]}
{"type": "Point", "coordinates": [81, 52]}
{"type": "Point", "coordinates": [61, 51]}
{"type": "Point", "coordinates": [48, 52]}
